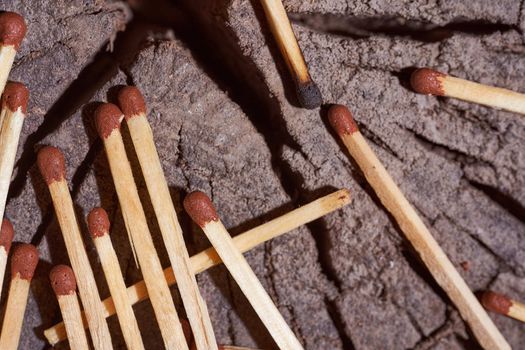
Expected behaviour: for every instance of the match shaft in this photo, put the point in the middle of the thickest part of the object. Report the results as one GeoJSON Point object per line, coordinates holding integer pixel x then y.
{"type": "Point", "coordinates": [503, 305]}
{"type": "Point", "coordinates": [7, 57]}
{"type": "Point", "coordinates": [6, 238]}
{"type": "Point", "coordinates": [12, 31]}
{"type": "Point", "coordinates": [14, 314]}
{"type": "Point", "coordinates": [70, 310]}
{"type": "Point", "coordinates": [244, 242]}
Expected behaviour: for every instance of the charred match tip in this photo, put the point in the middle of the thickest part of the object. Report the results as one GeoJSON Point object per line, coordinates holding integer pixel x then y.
{"type": "Point", "coordinates": [200, 208]}
{"type": "Point", "coordinates": [52, 164]}
{"type": "Point", "coordinates": [12, 29]}
{"type": "Point", "coordinates": [98, 222]}
{"type": "Point", "coordinates": [63, 280]}
{"type": "Point", "coordinates": [427, 81]}
{"type": "Point", "coordinates": [341, 120]}
{"type": "Point", "coordinates": [6, 235]}
{"type": "Point", "coordinates": [24, 261]}
{"type": "Point", "coordinates": [496, 302]}
{"type": "Point", "coordinates": [15, 96]}
{"type": "Point", "coordinates": [131, 101]}
{"type": "Point", "coordinates": [107, 117]}
{"type": "Point", "coordinates": [309, 95]}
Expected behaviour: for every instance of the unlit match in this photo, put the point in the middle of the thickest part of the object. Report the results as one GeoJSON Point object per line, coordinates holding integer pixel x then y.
{"type": "Point", "coordinates": [415, 230]}
{"type": "Point", "coordinates": [12, 31]}
{"type": "Point", "coordinates": [430, 82]}
{"type": "Point", "coordinates": [203, 213]}
{"type": "Point", "coordinates": [23, 265]}
{"type": "Point", "coordinates": [503, 305]}
{"type": "Point", "coordinates": [6, 238]}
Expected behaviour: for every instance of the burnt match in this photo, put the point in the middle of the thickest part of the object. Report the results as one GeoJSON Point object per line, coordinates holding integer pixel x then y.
{"type": "Point", "coordinates": [431, 82]}
{"type": "Point", "coordinates": [12, 32]}
{"type": "Point", "coordinates": [503, 305]}
{"type": "Point", "coordinates": [200, 208]}
{"type": "Point", "coordinates": [6, 237]}
{"type": "Point", "coordinates": [415, 230]}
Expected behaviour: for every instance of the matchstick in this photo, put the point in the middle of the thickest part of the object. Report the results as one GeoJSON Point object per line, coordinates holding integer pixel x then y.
{"type": "Point", "coordinates": [200, 208]}
{"type": "Point", "coordinates": [504, 305]}
{"type": "Point", "coordinates": [307, 91]}
{"type": "Point", "coordinates": [12, 116]}
{"type": "Point", "coordinates": [230, 347]}
{"type": "Point", "coordinates": [430, 82]}
{"type": "Point", "coordinates": [134, 108]}
{"type": "Point", "coordinates": [98, 224]}
{"type": "Point", "coordinates": [244, 242]}
{"type": "Point", "coordinates": [53, 169]}
{"type": "Point", "coordinates": [64, 284]}
{"type": "Point", "coordinates": [23, 265]}
{"type": "Point", "coordinates": [108, 118]}
{"type": "Point", "coordinates": [6, 237]}
{"type": "Point", "coordinates": [12, 31]}
{"type": "Point", "coordinates": [415, 230]}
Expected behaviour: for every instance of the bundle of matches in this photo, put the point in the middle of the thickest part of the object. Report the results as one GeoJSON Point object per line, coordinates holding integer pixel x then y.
{"type": "Point", "coordinates": [503, 305]}
{"type": "Point", "coordinates": [415, 230]}
{"type": "Point", "coordinates": [430, 82]}
{"type": "Point", "coordinates": [6, 237]}
{"type": "Point", "coordinates": [12, 31]}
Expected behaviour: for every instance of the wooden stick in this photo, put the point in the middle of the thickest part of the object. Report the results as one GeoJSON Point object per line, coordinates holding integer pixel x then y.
{"type": "Point", "coordinates": [12, 31]}
{"type": "Point", "coordinates": [134, 109]}
{"type": "Point", "coordinates": [201, 210]}
{"type": "Point", "coordinates": [307, 91]}
{"type": "Point", "coordinates": [6, 238]}
{"type": "Point", "coordinates": [231, 347]}
{"type": "Point", "coordinates": [12, 116]}
{"type": "Point", "coordinates": [52, 167]}
{"type": "Point", "coordinates": [430, 82]}
{"type": "Point", "coordinates": [503, 305]}
{"type": "Point", "coordinates": [64, 284]}
{"type": "Point", "coordinates": [108, 117]}
{"type": "Point", "coordinates": [415, 231]}
{"type": "Point", "coordinates": [98, 223]}
{"type": "Point", "coordinates": [244, 242]}
{"type": "Point", "coordinates": [23, 265]}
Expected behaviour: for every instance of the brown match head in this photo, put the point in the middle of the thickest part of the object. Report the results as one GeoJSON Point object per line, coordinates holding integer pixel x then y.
{"type": "Point", "coordinates": [12, 29]}
{"type": "Point", "coordinates": [308, 94]}
{"type": "Point", "coordinates": [15, 96]}
{"type": "Point", "coordinates": [98, 222]}
{"type": "Point", "coordinates": [200, 208]}
{"type": "Point", "coordinates": [6, 235]}
{"type": "Point", "coordinates": [24, 261]}
{"type": "Point", "coordinates": [131, 101]}
{"type": "Point", "coordinates": [341, 120]}
{"type": "Point", "coordinates": [52, 164]}
{"type": "Point", "coordinates": [107, 118]}
{"type": "Point", "coordinates": [496, 302]}
{"type": "Point", "coordinates": [427, 81]}
{"type": "Point", "coordinates": [63, 280]}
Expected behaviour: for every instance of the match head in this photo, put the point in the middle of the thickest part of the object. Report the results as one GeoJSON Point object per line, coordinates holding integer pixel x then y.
{"type": "Point", "coordinates": [309, 95]}
{"type": "Point", "coordinates": [15, 96]}
{"type": "Point", "coordinates": [107, 118]}
{"type": "Point", "coordinates": [6, 235]}
{"type": "Point", "coordinates": [98, 222]}
{"type": "Point", "coordinates": [341, 120]}
{"type": "Point", "coordinates": [496, 302]}
{"type": "Point", "coordinates": [52, 164]}
{"type": "Point", "coordinates": [131, 101]}
{"type": "Point", "coordinates": [427, 81]}
{"type": "Point", "coordinates": [24, 261]}
{"type": "Point", "coordinates": [12, 29]}
{"type": "Point", "coordinates": [200, 208]}
{"type": "Point", "coordinates": [63, 280]}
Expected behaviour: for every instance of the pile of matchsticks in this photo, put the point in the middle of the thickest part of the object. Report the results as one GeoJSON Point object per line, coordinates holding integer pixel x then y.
{"type": "Point", "coordinates": [197, 332]}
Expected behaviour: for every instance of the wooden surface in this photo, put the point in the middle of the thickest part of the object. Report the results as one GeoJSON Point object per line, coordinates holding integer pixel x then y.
{"type": "Point", "coordinates": [70, 309]}
{"type": "Point", "coordinates": [7, 56]}
{"type": "Point", "coordinates": [3, 264]}
{"type": "Point", "coordinates": [517, 311]}
{"type": "Point", "coordinates": [14, 314]}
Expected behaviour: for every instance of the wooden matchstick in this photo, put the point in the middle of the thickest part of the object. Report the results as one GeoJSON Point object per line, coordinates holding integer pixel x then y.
{"type": "Point", "coordinates": [6, 237]}
{"type": "Point", "coordinates": [98, 223]}
{"type": "Point", "coordinates": [201, 210]}
{"type": "Point", "coordinates": [108, 118]}
{"type": "Point", "coordinates": [230, 347]}
{"type": "Point", "coordinates": [64, 284]}
{"type": "Point", "coordinates": [23, 265]}
{"type": "Point", "coordinates": [415, 230]}
{"type": "Point", "coordinates": [12, 116]}
{"type": "Point", "coordinates": [244, 242]}
{"type": "Point", "coordinates": [12, 31]}
{"type": "Point", "coordinates": [504, 305]}
{"type": "Point", "coordinates": [53, 169]}
{"type": "Point", "coordinates": [134, 108]}
{"type": "Point", "coordinates": [430, 82]}
{"type": "Point", "coordinates": [307, 91]}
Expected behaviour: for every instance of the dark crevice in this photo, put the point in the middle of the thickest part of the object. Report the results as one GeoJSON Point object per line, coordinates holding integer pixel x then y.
{"type": "Point", "coordinates": [338, 320]}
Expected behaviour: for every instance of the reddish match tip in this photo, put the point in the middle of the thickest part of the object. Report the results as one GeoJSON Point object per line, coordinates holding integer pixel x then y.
{"type": "Point", "coordinates": [12, 29]}
{"type": "Point", "coordinates": [341, 120]}
{"type": "Point", "coordinates": [63, 280]}
{"type": "Point", "coordinates": [52, 164]}
{"type": "Point", "coordinates": [131, 101]}
{"type": "Point", "coordinates": [200, 208]}
{"type": "Point", "coordinates": [427, 81]}
{"type": "Point", "coordinates": [98, 222]}
{"type": "Point", "coordinates": [15, 96]}
{"type": "Point", "coordinates": [6, 235]}
{"type": "Point", "coordinates": [496, 302]}
{"type": "Point", "coordinates": [107, 118]}
{"type": "Point", "coordinates": [24, 261]}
